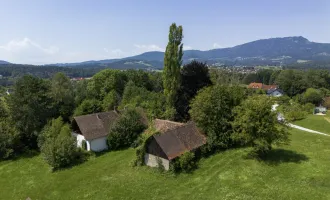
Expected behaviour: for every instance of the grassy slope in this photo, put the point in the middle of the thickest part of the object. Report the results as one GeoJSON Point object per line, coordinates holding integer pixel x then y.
{"type": "Point", "coordinates": [298, 171]}
{"type": "Point", "coordinates": [315, 122]}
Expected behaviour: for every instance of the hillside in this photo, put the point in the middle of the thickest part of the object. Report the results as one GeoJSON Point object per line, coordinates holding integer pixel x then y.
{"type": "Point", "coordinates": [297, 171]}
{"type": "Point", "coordinates": [2, 62]}
{"type": "Point", "coordinates": [273, 51]}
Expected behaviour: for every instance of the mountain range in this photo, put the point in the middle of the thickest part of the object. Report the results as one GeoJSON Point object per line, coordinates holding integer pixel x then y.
{"type": "Point", "coordinates": [273, 51]}
{"type": "Point", "coordinates": [2, 62]}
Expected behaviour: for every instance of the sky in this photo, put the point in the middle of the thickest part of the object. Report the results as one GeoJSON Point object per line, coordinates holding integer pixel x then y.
{"type": "Point", "coordinates": [62, 31]}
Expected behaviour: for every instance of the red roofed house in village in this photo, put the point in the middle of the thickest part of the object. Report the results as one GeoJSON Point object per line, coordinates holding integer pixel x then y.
{"type": "Point", "coordinates": [174, 140]}
{"type": "Point", "coordinates": [262, 86]}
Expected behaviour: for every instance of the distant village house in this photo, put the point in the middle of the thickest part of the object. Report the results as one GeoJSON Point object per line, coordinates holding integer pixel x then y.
{"type": "Point", "coordinates": [271, 90]}
{"type": "Point", "coordinates": [174, 140]}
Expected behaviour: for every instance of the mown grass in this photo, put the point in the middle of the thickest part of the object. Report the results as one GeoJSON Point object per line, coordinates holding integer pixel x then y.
{"type": "Point", "coordinates": [300, 170]}
{"type": "Point", "coordinates": [315, 122]}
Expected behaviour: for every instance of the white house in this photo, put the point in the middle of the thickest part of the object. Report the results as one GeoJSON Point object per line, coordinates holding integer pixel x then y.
{"type": "Point", "coordinates": [93, 130]}
{"type": "Point", "coordinates": [275, 92]}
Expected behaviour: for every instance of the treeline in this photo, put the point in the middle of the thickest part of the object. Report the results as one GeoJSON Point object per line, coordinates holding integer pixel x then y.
{"type": "Point", "coordinates": [15, 71]}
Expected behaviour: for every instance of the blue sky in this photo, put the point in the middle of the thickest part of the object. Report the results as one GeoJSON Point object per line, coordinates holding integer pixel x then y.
{"type": "Point", "coordinates": [44, 31]}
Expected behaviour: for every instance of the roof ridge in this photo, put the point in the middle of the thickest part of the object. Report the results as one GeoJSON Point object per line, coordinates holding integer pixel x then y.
{"type": "Point", "coordinates": [174, 122]}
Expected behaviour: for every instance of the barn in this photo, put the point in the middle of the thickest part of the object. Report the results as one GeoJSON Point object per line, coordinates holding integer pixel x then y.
{"type": "Point", "coordinates": [174, 140]}
{"type": "Point", "coordinates": [93, 130]}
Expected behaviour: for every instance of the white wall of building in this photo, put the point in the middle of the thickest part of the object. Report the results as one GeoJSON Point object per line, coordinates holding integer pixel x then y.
{"type": "Point", "coordinates": [151, 160]}
{"type": "Point", "coordinates": [80, 139]}
{"type": "Point", "coordinates": [99, 144]}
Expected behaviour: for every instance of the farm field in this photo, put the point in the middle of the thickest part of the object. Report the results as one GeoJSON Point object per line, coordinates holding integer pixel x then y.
{"type": "Point", "coordinates": [296, 171]}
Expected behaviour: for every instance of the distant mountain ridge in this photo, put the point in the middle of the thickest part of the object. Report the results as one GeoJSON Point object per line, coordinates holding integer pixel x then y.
{"type": "Point", "coordinates": [273, 51]}
{"type": "Point", "coordinates": [2, 62]}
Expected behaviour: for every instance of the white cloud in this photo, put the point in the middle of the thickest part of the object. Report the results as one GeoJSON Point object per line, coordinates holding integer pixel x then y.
{"type": "Point", "coordinates": [27, 51]}
{"type": "Point", "coordinates": [216, 46]}
{"type": "Point", "coordinates": [26, 43]}
{"type": "Point", "coordinates": [145, 48]}
{"type": "Point", "coordinates": [186, 47]}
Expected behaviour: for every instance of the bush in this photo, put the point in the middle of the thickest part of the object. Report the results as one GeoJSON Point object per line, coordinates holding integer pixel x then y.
{"type": "Point", "coordinates": [142, 142]}
{"type": "Point", "coordinates": [125, 130]}
{"type": "Point", "coordinates": [84, 145]}
{"type": "Point", "coordinates": [58, 147]}
{"type": "Point", "coordinates": [312, 96]}
{"type": "Point", "coordinates": [186, 163]}
{"type": "Point", "coordinates": [309, 108]}
{"type": "Point", "coordinates": [294, 111]}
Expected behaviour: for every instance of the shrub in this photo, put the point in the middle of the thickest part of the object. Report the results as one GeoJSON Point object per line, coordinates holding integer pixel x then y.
{"type": "Point", "coordinates": [294, 111]}
{"type": "Point", "coordinates": [185, 163]}
{"type": "Point", "coordinates": [84, 145]}
{"type": "Point", "coordinates": [125, 130]}
{"type": "Point", "coordinates": [141, 148]}
{"type": "Point", "coordinates": [160, 165]}
{"type": "Point", "coordinates": [309, 108]}
{"type": "Point", "coordinates": [58, 147]}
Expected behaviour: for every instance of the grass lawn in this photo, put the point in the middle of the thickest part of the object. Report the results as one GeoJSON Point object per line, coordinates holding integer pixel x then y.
{"type": "Point", "coordinates": [315, 122]}
{"type": "Point", "coordinates": [298, 171]}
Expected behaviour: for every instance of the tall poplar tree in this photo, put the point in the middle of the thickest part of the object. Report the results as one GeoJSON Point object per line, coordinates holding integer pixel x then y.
{"type": "Point", "coordinates": [172, 64]}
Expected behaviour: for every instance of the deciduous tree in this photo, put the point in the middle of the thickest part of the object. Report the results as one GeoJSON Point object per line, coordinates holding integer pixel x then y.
{"type": "Point", "coordinates": [30, 107]}
{"type": "Point", "coordinates": [256, 125]}
{"type": "Point", "coordinates": [194, 76]}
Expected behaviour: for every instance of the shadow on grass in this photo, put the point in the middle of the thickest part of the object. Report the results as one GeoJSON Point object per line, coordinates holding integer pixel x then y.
{"type": "Point", "coordinates": [27, 154]}
{"type": "Point", "coordinates": [278, 156]}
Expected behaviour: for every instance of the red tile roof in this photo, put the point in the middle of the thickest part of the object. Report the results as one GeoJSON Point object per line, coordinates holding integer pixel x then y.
{"type": "Point", "coordinates": [255, 85]}
{"type": "Point", "coordinates": [262, 86]}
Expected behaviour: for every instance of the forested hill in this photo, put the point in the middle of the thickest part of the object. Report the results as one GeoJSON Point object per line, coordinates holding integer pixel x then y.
{"type": "Point", "coordinates": [2, 62]}
{"type": "Point", "coordinates": [294, 51]}
{"type": "Point", "coordinates": [273, 51]}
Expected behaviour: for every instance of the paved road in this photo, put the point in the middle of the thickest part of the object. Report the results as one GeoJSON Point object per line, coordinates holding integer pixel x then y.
{"type": "Point", "coordinates": [306, 129]}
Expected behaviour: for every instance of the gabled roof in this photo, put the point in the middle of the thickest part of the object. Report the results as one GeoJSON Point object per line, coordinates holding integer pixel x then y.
{"type": "Point", "coordinates": [166, 125]}
{"type": "Point", "coordinates": [255, 85]}
{"type": "Point", "coordinates": [179, 140]}
{"type": "Point", "coordinates": [262, 86]}
{"type": "Point", "coordinates": [95, 125]}
{"type": "Point", "coordinates": [269, 87]}
{"type": "Point", "coordinates": [270, 91]}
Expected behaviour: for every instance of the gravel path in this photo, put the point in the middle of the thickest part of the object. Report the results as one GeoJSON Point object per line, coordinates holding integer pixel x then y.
{"type": "Point", "coordinates": [306, 129]}
{"type": "Point", "coordinates": [280, 117]}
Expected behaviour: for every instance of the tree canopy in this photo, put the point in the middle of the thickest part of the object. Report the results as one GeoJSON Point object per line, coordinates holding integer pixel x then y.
{"type": "Point", "coordinates": [256, 124]}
